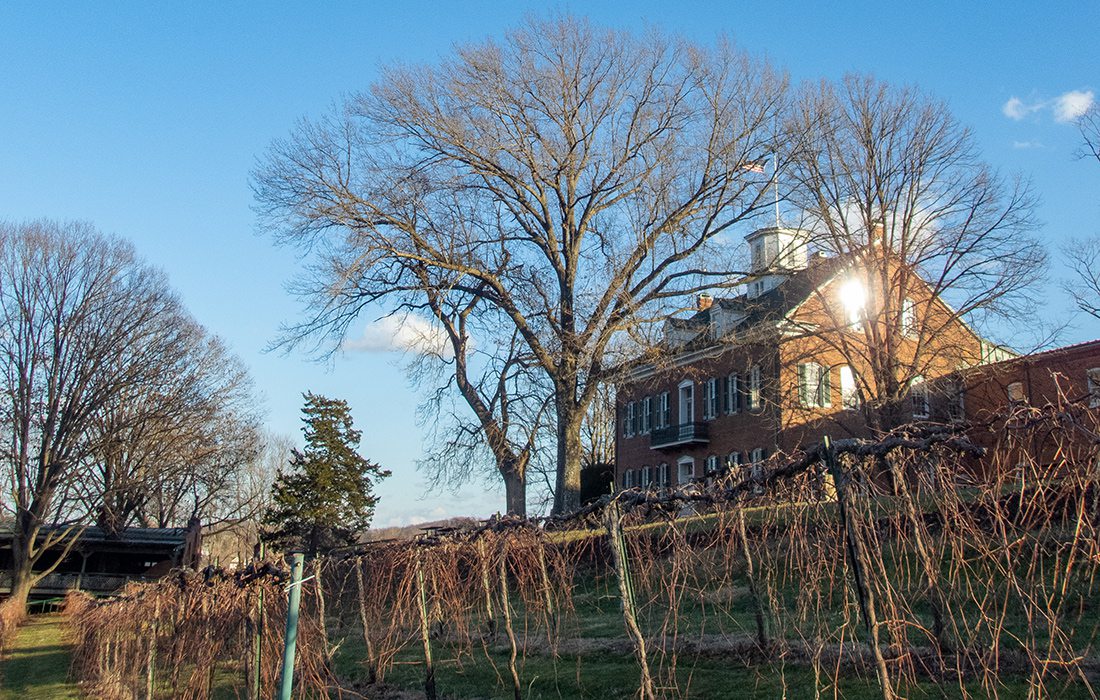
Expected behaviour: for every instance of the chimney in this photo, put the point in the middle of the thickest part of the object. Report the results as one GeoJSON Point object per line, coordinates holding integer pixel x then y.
{"type": "Point", "coordinates": [704, 302]}
{"type": "Point", "coordinates": [877, 230]}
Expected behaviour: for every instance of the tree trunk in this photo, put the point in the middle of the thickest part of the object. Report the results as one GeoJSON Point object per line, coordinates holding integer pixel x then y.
{"type": "Point", "coordinates": [567, 491]}
{"type": "Point", "coordinates": [515, 491]}
{"type": "Point", "coordinates": [20, 590]}
{"type": "Point", "coordinates": [22, 573]}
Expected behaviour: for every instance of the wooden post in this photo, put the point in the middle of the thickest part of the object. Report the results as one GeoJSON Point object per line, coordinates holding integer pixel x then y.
{"type": "Point", "coordinates": [151, 663]}
{"type": "Point", "coordinates": [757, 603]}
{"type": "Point", "coordinates": [506, 609]}
{"type": "Point", "coordinates": [626, 591]}
{"type": "Point", "coordinates": [486, 588]}
{"type": "Point", "coordinates": [548, 599]}
{"type": "Point", "coordinates": [326, 648]}
{"type": "Point", "coordinates": [429, 673]}
{"type": "Point", "coordinates": [856, 558]}
{"type": "Point", "coordinates": [372, 666]}
{"type": "Point", "coordinates": [258, 636]}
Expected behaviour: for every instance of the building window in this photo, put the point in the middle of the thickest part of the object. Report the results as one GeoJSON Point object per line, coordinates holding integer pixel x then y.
{"type": "Point", "coordinates": [628, 479]}
{"type": "Point", "coordinates": [647, 414]}
{"type": "Point", "coordinates": [712, 465]}
{"type": "Point", "coordinates": [662, 410]}
{"type": "Point", "coordinates": [908, 317]}
{"type": "Point", "coordinates": [687, 402]}
{"type": "Point", "coordinates": [956, 406]}
{"type": "Point", "coordinates": [710, 399]}
{"type": "Point", "coordinates": [1015, 392]}
{"type": "Point", "coordinates": [758, 260]}
{"type": "Point", "coordinates": [849, 392]}
{"type": "Point", "coordinates": [645, 477]}
{"type": "Point", "coordinates": [757, 456]}
{"type": "Point", "coordinates": [733, 394]}
{"type": "Point", "coordinates": [918, 394]}
{"type": "Point", "coordinates": [814, 385]}
{"type": "Point", "coordinates": [1093, 377]}
{"type": "Point", "coordinates": [753, 403]}
{"type": "Point", "coordinates": [628, 422]}
{"type": "Point", "coordinates": [733, 460]}
{"type": "Point", "coordinates": [685, 470]}
{"type": "Point", "coordinates": [662, 474]}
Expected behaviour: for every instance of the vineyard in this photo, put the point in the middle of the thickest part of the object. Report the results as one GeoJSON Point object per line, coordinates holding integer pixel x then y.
{"type": "Point", "coordinates": [915, 565]}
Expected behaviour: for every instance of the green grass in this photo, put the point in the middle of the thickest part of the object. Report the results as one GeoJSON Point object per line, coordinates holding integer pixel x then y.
{"type": "Point", "coordinates": [37, 666]}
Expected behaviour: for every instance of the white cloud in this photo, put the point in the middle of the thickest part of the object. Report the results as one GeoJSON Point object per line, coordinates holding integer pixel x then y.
{"type": "Point", "coordinates": [1065, 108]}
{"type": "Point", "coordinates": [1017, 109]}
{"type": "Point", "coordinates": [400, 334]}
{"type": "Point", "coordinates": [1026, 145]}
{"type": "Point", "coordinates": [1070, 105]}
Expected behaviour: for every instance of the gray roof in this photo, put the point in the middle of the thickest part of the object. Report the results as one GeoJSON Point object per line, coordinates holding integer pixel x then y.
{"type": "Point", "coordinates": [773, 305]}
{"type": "Point", "coordinates": [163, 536]}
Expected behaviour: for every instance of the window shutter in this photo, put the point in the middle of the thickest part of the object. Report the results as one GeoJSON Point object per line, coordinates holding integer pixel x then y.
{"type": "Point", "coordinates": [725, 394]}
{"type": "Point", "coordinates": [803, 385]}
{"type": "Point", "coordinates": [735, 393]}
{"type": "Point", "coordinates": [826, 386]}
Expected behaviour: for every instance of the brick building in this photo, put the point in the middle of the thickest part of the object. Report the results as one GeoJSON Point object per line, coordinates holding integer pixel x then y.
{"type": "Point", "coordinates": [1065, 380]}
{"type": "Point", "coordinates": [787, 360]}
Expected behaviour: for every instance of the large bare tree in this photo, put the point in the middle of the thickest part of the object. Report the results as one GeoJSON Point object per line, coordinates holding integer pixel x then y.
{"type": "Point", "coordinates": [574, 180]}
{"type": "Point", "coordinates": [89, 337]}
{"type": "Point", "coordinates": [933, 237]}
{"type": "Point", "coordinates": [484, 361]}
{"type": "Point", "coordinates": [168, 451]}
{"type": "Point", "coordinates": [1083, 254]}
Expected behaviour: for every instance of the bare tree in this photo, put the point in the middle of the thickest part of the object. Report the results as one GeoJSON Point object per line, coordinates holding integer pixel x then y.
{"type": "Point", "coordinates": [572, 179]}
{"type": "Point", "coordinates": [1089, 124]}
{"type": "Point", "coordinates": [931, 236]}
{"type": "Point", "coordinates": [72, 303]}
{"type": "Point", "coordinates": [493, 374]}
{"type": "Point", "coordinates": [1083, 256]}
{"type": "Point", "coordinates": [168, 451]}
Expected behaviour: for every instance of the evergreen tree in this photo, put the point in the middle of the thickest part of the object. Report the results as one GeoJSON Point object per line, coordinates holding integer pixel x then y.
{"type": "Point", "coordinates": [327, 498]}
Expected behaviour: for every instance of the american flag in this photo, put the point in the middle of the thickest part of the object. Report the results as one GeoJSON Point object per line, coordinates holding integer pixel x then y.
{"type": "Point", "coordinates": [754, 166]}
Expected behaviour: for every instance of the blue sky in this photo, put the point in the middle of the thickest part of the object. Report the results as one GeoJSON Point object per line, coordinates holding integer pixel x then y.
{"type": "Point", "coordinates": [146, 119]}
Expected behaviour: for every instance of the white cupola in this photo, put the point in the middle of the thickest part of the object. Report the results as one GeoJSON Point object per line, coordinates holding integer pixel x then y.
{"type": "Point", "coordinates": [775, 252]}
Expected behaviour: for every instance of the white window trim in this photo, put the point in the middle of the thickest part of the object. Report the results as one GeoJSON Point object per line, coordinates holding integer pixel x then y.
{"type": "Point", "coordinates": [628, 427]}
{"type": "Point", "coordinates": [711, 464]}
{"type": "Point", "coordinates": [1022, 398]}
{"type": "Point", "coordinates": [647, 415]}
{"type": "Point", "coordinates": [956, 411]}
{"type": "Point", "coordinates": [754, 396]}
{"type": "Point", "coordinates": [733, 400]}
{"type": "Point", "coordinates": [681, 463]}
{"type": "Point", "coordinates": [849, 391]}
{"type": "Point", "coordinates": [814, 385]}
{"type": "Point", "coordinates": [681, 413]}
{"type": "Point", "coordinates": [908, 317]}
{"type": "Point", "coordinates": [664, 415]}
{"type": "Point", "coordinates": [918, 391]}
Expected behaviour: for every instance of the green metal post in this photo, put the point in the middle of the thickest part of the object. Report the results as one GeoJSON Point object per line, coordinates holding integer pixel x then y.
{"type": "Point", "coordinates": [293, 603]}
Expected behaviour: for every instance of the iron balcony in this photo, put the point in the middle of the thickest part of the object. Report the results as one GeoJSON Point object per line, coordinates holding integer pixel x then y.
{"type": "Point", "coordinates": [682, 434]}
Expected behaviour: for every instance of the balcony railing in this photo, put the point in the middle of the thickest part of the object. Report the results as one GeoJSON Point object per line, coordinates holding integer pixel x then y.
{"type": "Point", "coordinates": [682, 434]}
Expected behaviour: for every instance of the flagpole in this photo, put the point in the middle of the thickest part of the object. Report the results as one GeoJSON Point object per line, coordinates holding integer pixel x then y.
{"type": "Point", "coordinates": [775, 183]}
